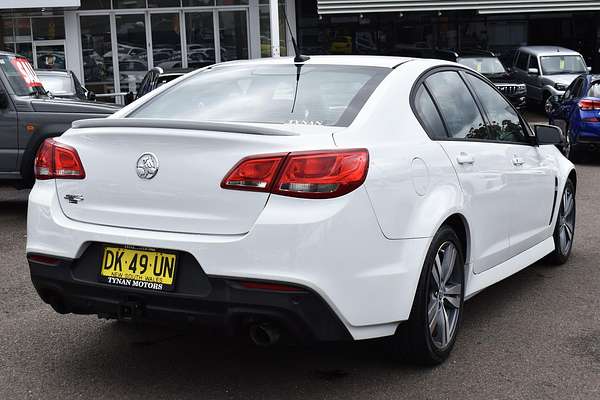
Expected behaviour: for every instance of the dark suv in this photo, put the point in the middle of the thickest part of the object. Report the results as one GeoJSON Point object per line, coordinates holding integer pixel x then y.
{"type": "Point", "coordinates": [487, 64]}
{"type": "Point", "coordinates": [28, 116]}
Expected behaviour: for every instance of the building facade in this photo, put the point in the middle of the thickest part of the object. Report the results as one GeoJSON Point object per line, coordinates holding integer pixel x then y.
{"type": "Point", "coordinates": [110, 44]}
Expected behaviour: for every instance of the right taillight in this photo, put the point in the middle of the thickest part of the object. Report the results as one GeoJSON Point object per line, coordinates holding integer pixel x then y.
{"type": "Point", "coordinates": [311, 174]}
{"type": "Point", "coordinates": [55, 160]}
{"type": "Point", "coordinates": [589, 104]}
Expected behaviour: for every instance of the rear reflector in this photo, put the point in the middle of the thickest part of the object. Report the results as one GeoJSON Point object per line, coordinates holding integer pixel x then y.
{"type": "Point", "coordinates": [591, 119]}
{"type": "Point", "coordinates": [312, 174]}
{"type": "Point", "coordinates": [274, 287]}
{"type": "Point", "coordinates": [38, 258]}
{"type": "Point", "coordinates": [589, 104]}
{"type": "Point", "coordinates": [55, 160]}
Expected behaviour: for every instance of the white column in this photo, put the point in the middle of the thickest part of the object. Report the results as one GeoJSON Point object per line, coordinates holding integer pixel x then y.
{"type": "Point", "coordinates": [274, 16]}
{"type": "Point", "coordinates": [254, 29]}
{"type": "Point", "coordinates": [73, 44]}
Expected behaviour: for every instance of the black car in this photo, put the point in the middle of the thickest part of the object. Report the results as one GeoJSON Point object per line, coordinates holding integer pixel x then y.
{"type": "Point", "coordinates": [482, 61]}
{"type": "Point", "coordinates": [64, 84]}
{"type": "Point", "coordinates": [28, 116]}
{"type": "Point", "coordinates": [487, 64]}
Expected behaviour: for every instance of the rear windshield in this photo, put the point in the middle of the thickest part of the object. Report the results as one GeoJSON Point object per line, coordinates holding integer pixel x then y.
{"type": "Point", "coordinates": [483, 65]}
{"type": "Point", "coordinates": [278, 94]}
{"type": "Point", "coordinates": [21, 76]}
{"type": "Point", "coordinates": [58, 84]}
{"type": "Point", "coordinates": [594, 90]}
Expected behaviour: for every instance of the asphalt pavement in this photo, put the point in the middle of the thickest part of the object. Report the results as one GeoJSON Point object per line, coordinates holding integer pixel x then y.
{"type": "Point", "coordinates": [535, 335]}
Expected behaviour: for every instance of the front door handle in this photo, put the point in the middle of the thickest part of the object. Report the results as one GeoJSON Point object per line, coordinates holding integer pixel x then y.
{"type": "Point", "coordinates": [518, 161]}
{"type": "Point", "coordinates": [465, 159]}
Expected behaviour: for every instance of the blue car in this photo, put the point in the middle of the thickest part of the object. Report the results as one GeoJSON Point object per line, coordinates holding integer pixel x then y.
{"type": "Point", "coordinates": [577, 112]}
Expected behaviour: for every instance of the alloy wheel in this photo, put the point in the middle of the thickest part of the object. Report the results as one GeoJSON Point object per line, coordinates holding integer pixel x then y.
{"type": "Point", "coordinates": [445, 295]}
{"type": "Point", "coordinates": [566, 220]}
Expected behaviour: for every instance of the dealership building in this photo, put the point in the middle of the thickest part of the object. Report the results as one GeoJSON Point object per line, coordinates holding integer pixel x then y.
{"type": "Point", "coordinates": [110, 44]}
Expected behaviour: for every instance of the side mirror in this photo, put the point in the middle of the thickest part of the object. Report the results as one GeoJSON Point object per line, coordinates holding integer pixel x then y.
{"type": "Point", "coordinates": [90, 95]}
{"type": "Point", "coordinates": [3, 100]}
{"type": "Point", "coordinates": [589, 69]}
{"type": "Point", "coordinates": [548, 134]}
{"type": "Point", "coordinates": [533, 71]}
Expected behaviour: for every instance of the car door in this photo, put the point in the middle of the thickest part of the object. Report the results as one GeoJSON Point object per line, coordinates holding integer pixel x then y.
{"type": "Point", "coordinates": [570, 99]}
{"type": "Point", "coordinates": [531, 179]}
{"type": "Point", "coordinates": [534, 80]}
{"type": "Point", "coordinates": [9, 145]}
{"type": "Point", "coordinates": [481, 167]}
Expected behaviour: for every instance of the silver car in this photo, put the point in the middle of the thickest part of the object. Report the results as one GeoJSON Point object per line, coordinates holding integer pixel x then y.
{"type": "Point", "coordinates": [547, 70]}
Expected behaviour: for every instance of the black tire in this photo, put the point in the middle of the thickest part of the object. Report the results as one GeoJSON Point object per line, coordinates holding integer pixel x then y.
{"type": "Point", "coordinates": [414, 340]}
{"type": "Point", "coordinates": [572, 151]}
{"type": "Point", "coordinates": [565, 225]}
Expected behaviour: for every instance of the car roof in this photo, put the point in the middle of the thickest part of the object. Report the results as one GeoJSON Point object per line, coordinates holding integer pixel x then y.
{"type": "Point", "coordinates": [366, 61]}
{"type": "Point", "coordinates": [548, 50]}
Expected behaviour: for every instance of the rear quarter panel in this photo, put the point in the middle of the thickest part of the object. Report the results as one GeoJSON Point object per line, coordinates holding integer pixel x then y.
{"type": "Point", "coordinates": [412, 184]}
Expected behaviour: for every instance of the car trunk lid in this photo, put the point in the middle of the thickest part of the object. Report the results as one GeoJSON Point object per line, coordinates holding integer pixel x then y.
{"type": "Point", "coordinates": [185, 194]}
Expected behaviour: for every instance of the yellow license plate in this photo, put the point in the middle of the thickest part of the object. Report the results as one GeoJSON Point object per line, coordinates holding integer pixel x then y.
{"type": "Point", "coordinates": [138, 268]}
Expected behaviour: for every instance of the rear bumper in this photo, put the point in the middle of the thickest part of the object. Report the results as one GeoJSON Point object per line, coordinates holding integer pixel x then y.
{"type": "Point", "coordinates": [72, 287]}
{"type": "Point", "coordinates": [334, 248]}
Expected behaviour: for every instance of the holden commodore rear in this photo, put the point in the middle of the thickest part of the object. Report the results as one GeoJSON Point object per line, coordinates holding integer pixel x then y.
{"type": "Point", "coordinates": [271, 196]}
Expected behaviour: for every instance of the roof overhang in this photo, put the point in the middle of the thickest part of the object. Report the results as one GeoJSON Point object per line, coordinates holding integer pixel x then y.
{"type": "Point", "coordinates": [12, 4]}
{"type": "Point", "coordinates": [481, 6]}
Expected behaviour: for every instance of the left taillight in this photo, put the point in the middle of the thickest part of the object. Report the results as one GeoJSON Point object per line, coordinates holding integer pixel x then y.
{"type": "Point", "coordinates": [56, 160]}
{"type": "Point", "coordinates": [310, 174]}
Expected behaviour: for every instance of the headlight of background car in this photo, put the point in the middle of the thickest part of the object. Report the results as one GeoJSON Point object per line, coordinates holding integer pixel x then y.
{"type": "Point", "coordinates": [560, 86]}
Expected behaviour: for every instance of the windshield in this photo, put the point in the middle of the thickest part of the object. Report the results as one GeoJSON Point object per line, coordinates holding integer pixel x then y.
{"type": "Point", "coordinates": [554, 65]}
{"type": "Point", "coordinates": [483, 65]}
{"type": "Point", "coordinates": [21, 76]}
{"type": "Point", "coordinates": [57, 84]}
{"type": "Point", "coordinates": [330, 95]}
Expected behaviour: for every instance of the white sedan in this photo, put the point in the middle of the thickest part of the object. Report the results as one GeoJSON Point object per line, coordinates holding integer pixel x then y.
{"type": "Point", "coordinates": [338, 198]}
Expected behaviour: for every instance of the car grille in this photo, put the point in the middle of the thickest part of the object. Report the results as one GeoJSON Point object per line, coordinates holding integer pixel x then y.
{"type": "Point", "coordinates": [510, 90]}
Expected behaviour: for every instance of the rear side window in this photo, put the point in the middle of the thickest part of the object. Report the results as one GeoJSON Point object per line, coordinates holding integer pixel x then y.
{"type": "Point", "coordinates": [522, 61]}
{"type": "Point", "coordinates": [594, 90]}
{"type": "Point", "coordinates": [457, 106]}
{"type": "Point", "coordinates": [428, 114]}
{"type": "Point", "coordinates": [328, 95]}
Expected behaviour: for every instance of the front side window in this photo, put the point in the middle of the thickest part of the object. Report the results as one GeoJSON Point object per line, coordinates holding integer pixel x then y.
{"type": "Point", "coordinates": [275, 94]}
{"type": "Point", "coordinates": [21, 76]}
{"type": "Point", "coordinates": [457, 106]}
{"type": "Point", "coordinates": [555, 65]}
{"type": "Point", "coordinates": [504, 122]}
{"type": "Point", "coordinates": [533, 63]}
{"type": "Point", "coordinates": [522, 61]}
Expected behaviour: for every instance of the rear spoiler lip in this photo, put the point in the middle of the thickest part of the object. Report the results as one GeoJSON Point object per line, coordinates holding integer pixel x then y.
{"type": "Point", "coordinates": [229, 127]}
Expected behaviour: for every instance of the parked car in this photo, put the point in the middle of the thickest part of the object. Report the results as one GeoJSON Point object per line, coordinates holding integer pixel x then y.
{"type": "Point", "coordinates": [29, 116]}
{"type": "Point", "coordinates": [577, 111]}
{"type": "Point", "coordinates": [64, 84]}
{"type": "Point", "coordinates": [547, 70]}
{"type": "Point", "coordinates": [337, 198]}
{"type": "Point", "coordinates": [157, 77]}
{"type": "Point", "coordinates": [483, 61]}
{"type": "Point", "coordinates": [486, 63]}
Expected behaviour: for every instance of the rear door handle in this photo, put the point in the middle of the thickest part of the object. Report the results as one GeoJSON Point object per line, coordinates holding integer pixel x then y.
{"type": "Point", "coordinates": [518, 161]}
{"type": "Point", "coordinates": [465, 159]}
